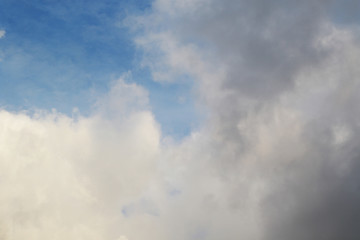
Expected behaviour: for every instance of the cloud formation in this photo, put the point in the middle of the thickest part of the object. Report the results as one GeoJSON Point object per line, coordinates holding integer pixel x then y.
{"type": "Point", "coordinates": [68, 178]}
{"type": "Point", "coordinates": [276, 158]}
{"type": "Point", "coordinates": [2, 33]}
{"type": "Point", "coordinates": [280, 83]}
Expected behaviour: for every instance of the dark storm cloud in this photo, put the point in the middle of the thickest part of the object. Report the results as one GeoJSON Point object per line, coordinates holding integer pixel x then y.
{"type": "Point", "coordinates": [283, 111]}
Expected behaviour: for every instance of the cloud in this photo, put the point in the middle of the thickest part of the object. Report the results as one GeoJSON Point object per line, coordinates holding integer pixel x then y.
{"type": "Point", "coordinates": [2, 33]}
{"type": "Point", "coordinates": [70, 177]}
{"type": "Point", "coordinates": [276, 158]}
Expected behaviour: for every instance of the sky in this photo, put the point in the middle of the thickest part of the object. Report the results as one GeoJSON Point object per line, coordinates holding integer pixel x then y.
{"type": "Point", "coordinates": [65, 55]}
{"type": "Point", "coordinates": [179, 120]}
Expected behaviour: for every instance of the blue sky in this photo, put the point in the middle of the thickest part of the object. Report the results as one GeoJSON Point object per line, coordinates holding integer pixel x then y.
{"type": "Point", "coordinates": [64, 54]}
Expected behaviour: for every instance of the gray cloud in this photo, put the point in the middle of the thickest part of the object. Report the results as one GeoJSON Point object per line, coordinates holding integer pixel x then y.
{"type": "Point", "coordinates": [280, 82]}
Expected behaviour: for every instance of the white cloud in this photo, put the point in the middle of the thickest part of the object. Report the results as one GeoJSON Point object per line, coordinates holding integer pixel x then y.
{"type": "Point", "coordinates": [63, 178]}
{"type": "Point", "coordinates": [2, 33]}
{"type": "Point", "coordinates": [122, 238]}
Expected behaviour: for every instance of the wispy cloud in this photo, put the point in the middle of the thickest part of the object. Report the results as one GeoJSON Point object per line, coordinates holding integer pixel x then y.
{"type": "Point", "coordinates": [2, 33]}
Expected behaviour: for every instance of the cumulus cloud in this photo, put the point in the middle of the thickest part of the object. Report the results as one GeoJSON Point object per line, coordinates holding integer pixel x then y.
{"type": "Point", "coordinates": [276, 158]}
{"type": "Point", "coordinates": [68, 178]}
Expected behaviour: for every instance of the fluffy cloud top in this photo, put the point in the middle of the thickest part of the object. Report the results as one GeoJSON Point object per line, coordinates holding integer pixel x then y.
{"type": "Point", "coordinates": [277, 157]}
{"type": "Point", "coordinates": [68, 178]}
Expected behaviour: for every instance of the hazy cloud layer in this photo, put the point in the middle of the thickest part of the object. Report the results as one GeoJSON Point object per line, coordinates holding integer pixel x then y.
{"type": "Point", "coordinates": [276, 158]}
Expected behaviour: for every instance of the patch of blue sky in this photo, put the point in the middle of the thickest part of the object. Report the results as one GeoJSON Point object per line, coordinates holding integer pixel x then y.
{"type": "Point", "coordinates": [50, 56]}
{"type": "Point", "coordinates": [173, 106]}
{"type": "Point", "coordinates": [345, 12]}
{"type": "Point", "coordinates": [62, 54]}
